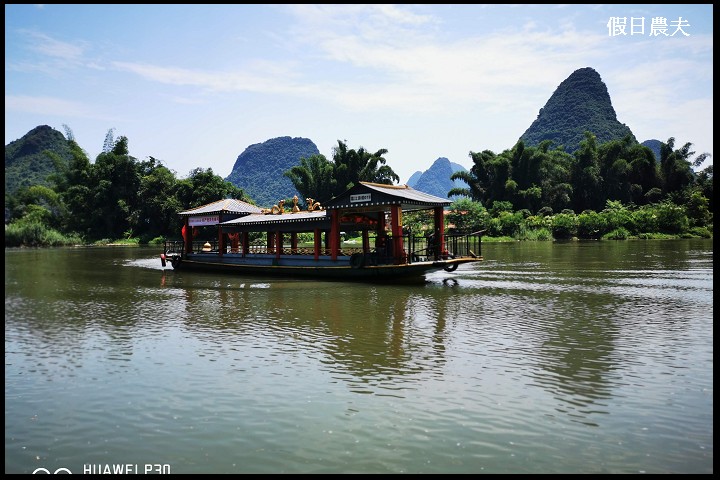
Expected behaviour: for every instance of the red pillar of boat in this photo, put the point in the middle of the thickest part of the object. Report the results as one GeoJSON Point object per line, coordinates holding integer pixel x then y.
{"type": "Point", "coordinates": [396, 230]}
{"type": "Point", "coordinates": [334, 234]}
{"type": "Point", "coordinates": [270, 241]}
{"type": "Point", "coordinates": [245, 243]}
{"type": "Point", "coordinates": [317, 243]}
{"type": "Point", "coordinates": [187, 236]}
{"type": "Point", "coordinates": [221, 239]}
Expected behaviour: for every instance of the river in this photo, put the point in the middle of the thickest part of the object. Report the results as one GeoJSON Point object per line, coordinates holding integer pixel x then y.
{"type": "Point", "coordinates": [548, 357]}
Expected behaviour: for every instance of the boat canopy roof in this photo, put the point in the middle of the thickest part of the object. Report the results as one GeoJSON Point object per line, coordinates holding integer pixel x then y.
{"type": "Point", "coordinates": [363, 198]}
{"type": "Point", "coordinates": [228, 206]}
{"type": "Point", "coordinates": [281, 218]}
{"type": "Point", "coordinates": [367, 194]}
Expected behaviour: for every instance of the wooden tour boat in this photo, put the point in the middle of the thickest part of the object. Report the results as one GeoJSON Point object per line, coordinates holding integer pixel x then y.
{"type": "Point", "coordinates": [237, 237]}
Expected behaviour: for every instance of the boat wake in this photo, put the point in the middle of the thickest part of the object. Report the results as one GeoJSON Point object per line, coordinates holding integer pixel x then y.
{"type": "Point", "coordinates": [152, 263]}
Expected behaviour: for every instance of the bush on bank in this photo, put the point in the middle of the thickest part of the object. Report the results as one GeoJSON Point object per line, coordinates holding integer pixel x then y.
{"type": "Point", "coordinates": [615, 222]}
{"type": "Point", "coordinates": [35, 234]}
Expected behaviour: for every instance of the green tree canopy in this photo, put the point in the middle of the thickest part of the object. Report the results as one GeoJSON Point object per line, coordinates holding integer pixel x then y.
{"type": "Point", "coordinates": [202, 187]}
{"type": "Point", "coordinates": [313, 178]}
{"type": "Point", "coordinates": [320, 179]}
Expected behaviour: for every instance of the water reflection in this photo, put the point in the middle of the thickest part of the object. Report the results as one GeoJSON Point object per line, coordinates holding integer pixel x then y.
{"type": "Point", "coordinates": [576, 359]}
{"type": "Point", "coordinates": [362, 334]}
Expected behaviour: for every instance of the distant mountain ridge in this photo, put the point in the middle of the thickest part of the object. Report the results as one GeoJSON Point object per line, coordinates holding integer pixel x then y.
{"type": "Point", "coordinates": [414, 178]}
{"type": "Point", "coordinates": [436, 179]}
{"type": "Point", "coordinates": [653, 145]}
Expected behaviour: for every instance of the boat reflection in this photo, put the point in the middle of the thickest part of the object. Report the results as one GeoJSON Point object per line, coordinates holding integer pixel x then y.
{"type": "Point", "coordinates": [384, 340]}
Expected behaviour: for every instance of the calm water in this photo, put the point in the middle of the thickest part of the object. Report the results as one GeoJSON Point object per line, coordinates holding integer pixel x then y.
{"type": "Point", "coordinates": [547, 358]}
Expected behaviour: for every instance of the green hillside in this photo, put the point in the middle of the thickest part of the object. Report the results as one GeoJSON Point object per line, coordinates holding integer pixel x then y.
{"type": "Point", "coordinates": [259, 170]}
{"type": "Point", "coordinates": [580, 103]}
{"type": "Point", "coordinates": [29, 160]}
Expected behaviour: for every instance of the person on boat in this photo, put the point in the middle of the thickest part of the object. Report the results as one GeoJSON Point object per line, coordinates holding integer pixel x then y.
{"type": "Point", "coordinates": [381, 245]}
{"type": "Point", "coordinates": [430, 238]}
{"type": "Point", "coordinates": [234, 242]}
{"type": "Point", "coordinates": [186, 238]}
{"type": "Point", "coordinates": [384, 248]}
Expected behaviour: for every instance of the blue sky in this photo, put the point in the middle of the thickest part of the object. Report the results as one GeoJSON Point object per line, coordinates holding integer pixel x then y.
{"type": "Point", "coordinates": [195, 85]}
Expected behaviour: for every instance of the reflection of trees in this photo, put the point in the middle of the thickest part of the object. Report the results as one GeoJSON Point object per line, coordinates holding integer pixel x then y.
{"type": "Point", "coordinates": [378, 337]}
{"type": "Point", "coordinates": [576, 358]}
{"type": "Point", "coordinates": [603, 287]}
{"type": "Point", "coordinates": [75, 304]}
{"type": "Point", "coordinates": [586, 302]}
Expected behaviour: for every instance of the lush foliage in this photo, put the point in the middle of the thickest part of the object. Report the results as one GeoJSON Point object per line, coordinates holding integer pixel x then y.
{"type": "Point", "coordinates": [613, 190]}
{"type": "Point", "coordinates": [616, 221]}
{"type": "Point", "coordinates": [542, 180]}
{"type": "Point", "coordinates": [320, 179]}
{"type": "Point", "coordinates": [117, 197]}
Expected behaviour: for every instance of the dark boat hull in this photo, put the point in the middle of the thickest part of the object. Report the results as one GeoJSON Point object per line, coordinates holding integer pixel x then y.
{"type": "Point", "coordinates": [341, 271]}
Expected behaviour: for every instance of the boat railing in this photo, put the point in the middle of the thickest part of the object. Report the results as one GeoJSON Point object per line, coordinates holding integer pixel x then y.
{"type": "Point", "coordinates": [464, 245]}
{"type": "Point", "coordinates": [415, 248]}
{"type": "Point", "coordinates": [457, 245]}
{"type": "Point", "coordinates": [212, 246]}
{"type": "Point", "coordinates": [173, 247]}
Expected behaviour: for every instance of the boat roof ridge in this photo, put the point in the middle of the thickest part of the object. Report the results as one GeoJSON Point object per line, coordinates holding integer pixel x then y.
{"type": "Point", "coordinates": [384, 185]}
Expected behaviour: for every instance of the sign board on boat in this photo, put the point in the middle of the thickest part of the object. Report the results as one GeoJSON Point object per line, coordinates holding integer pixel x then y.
{"type": "Point", "coordinates": [204, 220]}
{"type": "Point", "coordinates": [361, 197]}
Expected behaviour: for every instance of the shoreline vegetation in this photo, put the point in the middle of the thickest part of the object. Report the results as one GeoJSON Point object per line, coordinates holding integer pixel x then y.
{"type": "Point", "coordinates": [611, 224]}
{"type": "Point", "coordinates": [616, 190]}
{"type": "Point", "coordinates": [136, 242]}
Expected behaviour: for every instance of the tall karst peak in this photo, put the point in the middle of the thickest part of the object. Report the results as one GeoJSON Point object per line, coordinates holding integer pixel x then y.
{"type": "Point", "coordinates": [580, 103]}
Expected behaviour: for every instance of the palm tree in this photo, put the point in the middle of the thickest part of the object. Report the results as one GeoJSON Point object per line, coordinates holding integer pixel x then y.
{"type": "Point", "coordinates": [313, 178]}
{"type": "Point", "coordinates": [476, 178]}
{"type": "Point", "coordinates": [676, 168]}
{"type": "Point", "coordinates": [374, 168]}
{"type": "Point", "coordinates": [320, 179]}
{"type": "Point", "coordinates": [354, 166]}
{"type": "Point", "coordinates": [586, 178]}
